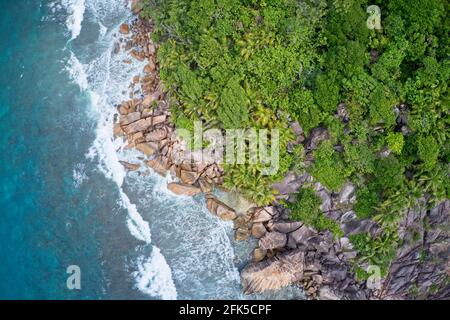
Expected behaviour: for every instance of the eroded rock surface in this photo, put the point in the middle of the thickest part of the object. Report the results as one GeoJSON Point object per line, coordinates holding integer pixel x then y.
{"type": "Point", "coordinates": [273, 273]}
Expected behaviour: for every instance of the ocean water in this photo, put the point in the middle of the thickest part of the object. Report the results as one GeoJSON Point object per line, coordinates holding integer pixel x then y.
{"type": "Point", "coordinates": [65, 198]}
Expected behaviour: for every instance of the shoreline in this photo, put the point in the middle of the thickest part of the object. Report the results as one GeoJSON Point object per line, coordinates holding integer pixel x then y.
{"type": "Point", "coordinates": [288, 251]}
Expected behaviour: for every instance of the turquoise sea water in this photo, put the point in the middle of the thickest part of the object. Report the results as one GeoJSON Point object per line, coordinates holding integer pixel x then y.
{"type": "Point", "coordinates": [65, 200]}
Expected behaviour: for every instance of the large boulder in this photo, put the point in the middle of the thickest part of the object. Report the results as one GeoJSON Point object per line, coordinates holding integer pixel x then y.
{"type": "Point", "coordinates": [146, 149]}
{"type": "Point", "coordinates": [273, 240]}
{"type": "Point", "coordinates": [274, 273]}
{"type": "Point", "coordinates": [130, 118]}
{"type": "Point", "coordinates": [156, 135]}
{"type": "Point", "coordinates": [220, 209]}
{"type": "Point", "coordinates": [302, 234]}
{"type": "Point", "coordinates": [347, 194]}
{"type": "Point", "coordinates": [140, 125]}
{"type": "Point", "coordinates": [182, 189]}
{"type": "Point", "coordinates": [317, 135]}
{"type": "Point", "coordinates": [258, 230]}
{"type": "Point", "coordinates": [263, 214]}
{"type": "Point", "coordinates": [290, 184]}
{"type": "Point", "coordinates": [158, 166]}
{"type": "Point", "coordinates": [136, 6]}
{"type": "Point", "coordinates": [286, 227]}
{"type": "Point", "coordinates": [188, 177]}
{"type": "Point", "coordinates": [124, 28]}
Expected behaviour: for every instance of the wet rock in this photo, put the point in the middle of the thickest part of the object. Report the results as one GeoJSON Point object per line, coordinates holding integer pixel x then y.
{"type": "Point", "coordinates": [124, 28]}
{"type": "Point", "coordinates": [146, 149]}
{"type": "Point", "coordinates": [137, 55]}
{"type": "Point", "coordinates": [273, 240]}
{"type": "Point", "coordinates": [204, 185]}
{"type": "Point", "coordinates": [259, 254]}
{"type": "Point", "coordinates": [183, 189]}
{"type": "Point", "coordinates": [258, 230]}
{"type": "Point", "coordinates": [273, 273]}
{"type": "Point", "coordinates": [130, 166]}
{"type": "Point", "coordinates": [220, 209]}
{"type": "Point", "coordinates": [116, 48]}
{"type": "Point", "coordinates": [117, 130]}
{"type": "Point", "coordinates": [158, 166]}
{"type": "Point", "coordinates": [150, 67]}
{"type": "Point", "coordinates": [241, 234]}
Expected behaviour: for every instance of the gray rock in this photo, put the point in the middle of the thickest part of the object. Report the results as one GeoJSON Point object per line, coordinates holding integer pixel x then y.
{"type": "Point", "coordinates": [290, 184]}
{"type": "Point", "coordinates": [348, 217]}
{"type": "Point", "coordinates": [347, 194]}
{"type": "Point", "coordinates": [326, 200]}
{"type": "Point", "coordinates": [302, 234]}
{"type": "Point", "coordinates": [286, 227]}
{"type": "Point", "coordinates": [359, 226]}
{"type": "Point", "coordinates": [273, 240]}
{"type": "Point", "coordinates": [325, 293]}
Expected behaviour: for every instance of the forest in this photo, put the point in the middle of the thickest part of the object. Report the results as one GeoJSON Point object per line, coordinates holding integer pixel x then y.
{"type": "Point", "coordinates": [381, 92]}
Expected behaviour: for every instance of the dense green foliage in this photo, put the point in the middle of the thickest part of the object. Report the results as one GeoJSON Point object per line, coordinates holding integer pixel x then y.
{"type": "Point", "coordinates": [253, 63]}
{"type": "Point", "coordinates": [306, 209]}
{"type": "Point", "coordinates": [239, 64]}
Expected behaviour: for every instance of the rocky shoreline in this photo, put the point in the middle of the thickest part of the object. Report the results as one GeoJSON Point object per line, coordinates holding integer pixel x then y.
{"type": "Point", "coordinates": [288, 252]}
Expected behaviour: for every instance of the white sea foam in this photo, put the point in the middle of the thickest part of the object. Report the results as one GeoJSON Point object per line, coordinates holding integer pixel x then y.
{"type": "Point", "coordinates": [199, 252]}
{"type": "Point", "coordinates": [79, 175]}
{"type": "Point", "coordinates": [154, 275]}
{"type": "Point", "coordinates": [76, 71]}
{"type": "Point", "coordinates": [75, 10]}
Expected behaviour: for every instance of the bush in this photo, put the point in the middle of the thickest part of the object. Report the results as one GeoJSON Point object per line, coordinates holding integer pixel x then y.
{"type": "Point", "coordinates": [328, 167]}
{"type": "Point", "coordinates": [307, 210]}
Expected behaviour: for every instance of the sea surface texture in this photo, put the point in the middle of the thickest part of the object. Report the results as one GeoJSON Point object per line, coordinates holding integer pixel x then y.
{"type": "Point", "coordinates": [65, 199]}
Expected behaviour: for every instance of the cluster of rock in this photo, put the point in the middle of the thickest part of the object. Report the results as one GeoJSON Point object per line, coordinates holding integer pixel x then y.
{"type": "Point", "coordinates": [291, 252]}
{"type": "Point", "coordinates": [421, 268]}
{"type": "Point", "coordinates": [144, 121]}
{"type": "Point", "coordinates": [288, 252]}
